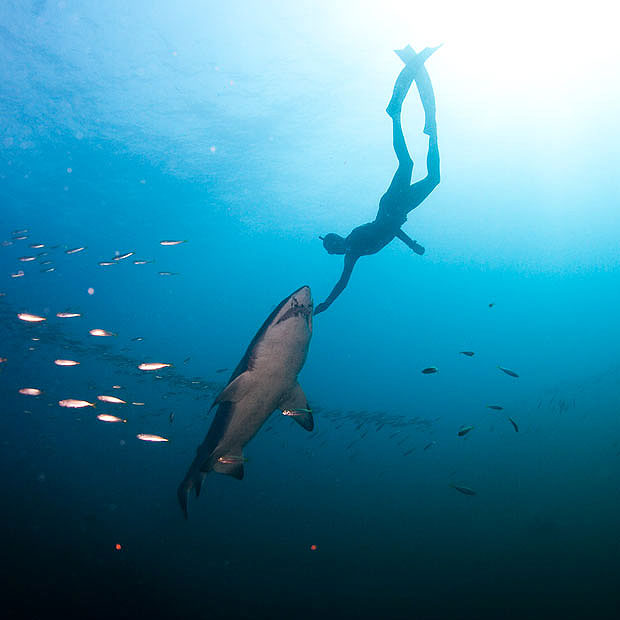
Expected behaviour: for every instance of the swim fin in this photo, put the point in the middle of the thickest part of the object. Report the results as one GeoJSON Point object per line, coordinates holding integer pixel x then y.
{"type": "Point", "coordinates": [409, 57]}
{"type": "Point", "coordinates": [416, 61]}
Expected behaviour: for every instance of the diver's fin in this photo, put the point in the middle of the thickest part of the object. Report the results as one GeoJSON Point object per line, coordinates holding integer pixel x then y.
{"type": "Point", "coordinates": [230, 465]}
{"type": "Point", "coordinates": [409, 57]}
{"type": "Point", "coordinates": [235, 390]}
{"type": "Point", "coordinates": [407, 54]}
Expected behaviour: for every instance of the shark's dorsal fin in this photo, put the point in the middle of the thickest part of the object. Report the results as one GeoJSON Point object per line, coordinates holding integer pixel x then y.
{"type": "Point", "coordinates": [295, 405]}
{"type": "Point", "coordinates": [236, 389]}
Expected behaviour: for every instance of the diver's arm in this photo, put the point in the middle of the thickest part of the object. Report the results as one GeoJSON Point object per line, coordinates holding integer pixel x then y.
{"type": "Point", "coordinates": [349, 263]}
{"type": "Point", "coordinates": [409, 242]}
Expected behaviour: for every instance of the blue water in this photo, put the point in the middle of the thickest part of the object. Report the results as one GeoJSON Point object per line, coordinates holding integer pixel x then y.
{"type": "Point", "coordinates": [248, 129]}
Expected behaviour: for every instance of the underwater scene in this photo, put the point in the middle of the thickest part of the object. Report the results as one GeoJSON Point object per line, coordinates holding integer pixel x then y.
{"type": "Point", "coordinates": [309, 309]}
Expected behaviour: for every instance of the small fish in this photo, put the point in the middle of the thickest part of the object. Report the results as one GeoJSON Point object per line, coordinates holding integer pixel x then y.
{"type": "Point", "coordinates": [142, 262]}
{"type": "Point", "coordinates": [468, 353]}
{"type": "Point", "coordinates": [124, 256]}
{"type": "Point", "coordinates": [117, 387]}
{"type": "Point", "coordinates": [72, 403]}
{"type": "Point", "coordinates": [66, 363]}
{"type": "Point", "coordinates": [514, 425]}
{"type": "Point", "coordinates": [106, 263]}
{"type": "Point", "coordinates": [430, 370]}
{"type": "Point", "coordinates": [67, 315]}
{"type": "Point", "coordinates": [172, 242]}
{"type": "Point", "coordinates": [111, 399]}
{"type": "Point", "coordinates": [138, 404]}
{"type": "Point", "coordinates": [20, 238]}
{"type": "Point", "coordinates": [75, 250]}
{"type": "Point", "coordinates": [491, 304]}
{"type": "Point", "coordinates": [186, 360]}
{"type": "Point", "coordinates": [100, 332]}
{"type": "Point", "coordinates": [230, 459]}
{"type": "Point", "coordinates": [464, 430]}
{"type": "Point", "coordinates": [171, 417]}
{"type": "Point", "coordinates": [22, 231]}
{"type": "Point", "coordinates": [30, 391]}
{"type": "Point", "coordinates": [295, 412]}
{"type": "Point", "coordinates": [27, 259]}
{"type": "Point", "coordinates": [30, 318]}
{"type": "Point", "coordinates": [2, 360]}
{"type": "Point", "coordinates": [429, 445]}
{"type": "Point", "coordinates": [153, 366]}
{"type": "Point", "coordinates": [408, 452]}
{"type": "Point", "coordinates": [509, 372]}
{"type": "Point", "coordinates": [6, 244]}
{"type": "Point", "coordinates": [18, 274]}
{"type": "Point", "coordinates": [137, 339]}
{"type": "Point", "coordinates": [219, 370]}
{"type": "Point", "coordinates": [147, 437]}
{"type": "Point", "coordinates": [495, 407]}
{"type": "Point", "coordinates": [37, 246]}
{"type": "Point", "coordinates": [104, 417]}
{"type": "Point", "coordinates": [48, 270]}
{"type": "Point", "coordinates": [169, 273]}
{"type": "Point", "coordinates": [464, 490]}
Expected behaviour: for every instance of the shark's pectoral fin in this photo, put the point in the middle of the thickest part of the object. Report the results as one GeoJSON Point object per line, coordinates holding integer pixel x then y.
{"type": "Point", "coordinates": [236, 389]}
{"type": "Point", "coordinates": [230, 465]}
{"type": "Point", "coordinates": [295, 404]}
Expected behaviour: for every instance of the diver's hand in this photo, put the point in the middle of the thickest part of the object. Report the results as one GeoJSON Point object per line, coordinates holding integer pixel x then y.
{"type": "Point", "coordinates": [417, 248]}
{"type": "Point", "coordinates": [321, 308]}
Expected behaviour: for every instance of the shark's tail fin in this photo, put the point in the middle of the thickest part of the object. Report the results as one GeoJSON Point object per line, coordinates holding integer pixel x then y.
{"type": "Point", "coordinates": [183, 494]}
{"type": "Point", "coordinates": [193, 480]}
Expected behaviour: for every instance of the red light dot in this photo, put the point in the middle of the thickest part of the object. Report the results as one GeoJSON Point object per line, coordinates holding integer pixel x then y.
{"type": "Point", "coordinates": [117, 546]}
{"type": "Point", "coordinates": [312, 547]}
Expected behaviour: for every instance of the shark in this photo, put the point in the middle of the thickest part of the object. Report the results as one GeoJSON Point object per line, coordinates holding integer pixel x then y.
{"type": "Point", "coordinates": [264, 381]}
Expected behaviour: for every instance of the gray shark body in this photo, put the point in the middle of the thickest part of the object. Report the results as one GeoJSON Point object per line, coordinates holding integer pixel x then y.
{"type": "Point", "coordinates": [264, 380]}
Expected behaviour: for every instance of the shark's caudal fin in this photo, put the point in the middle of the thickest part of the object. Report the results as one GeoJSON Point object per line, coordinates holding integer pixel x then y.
{"type": "Point", "coordinates": [192, 481]}
{"type": "Point", "coordinates": [183, 494]}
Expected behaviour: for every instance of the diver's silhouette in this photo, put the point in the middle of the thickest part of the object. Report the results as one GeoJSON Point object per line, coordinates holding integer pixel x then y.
{"type": "Point", "coordinates": [401, 197]}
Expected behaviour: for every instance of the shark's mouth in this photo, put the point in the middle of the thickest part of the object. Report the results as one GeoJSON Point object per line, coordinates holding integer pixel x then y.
{"type": "Point", "coordinates": [297, 309]}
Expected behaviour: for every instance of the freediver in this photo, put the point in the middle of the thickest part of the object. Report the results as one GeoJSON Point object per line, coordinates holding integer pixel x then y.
{"type": "Point", "coordinates": [401, 196]}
